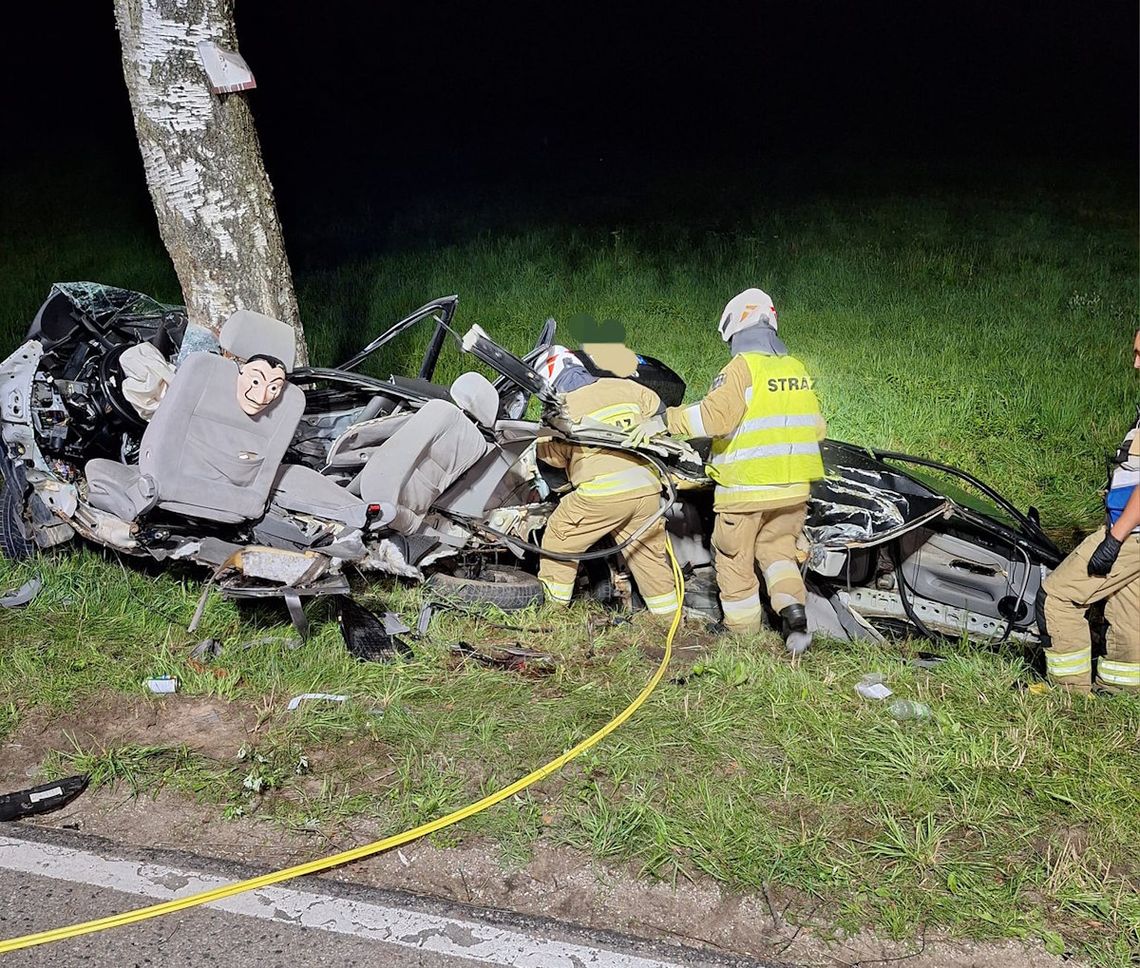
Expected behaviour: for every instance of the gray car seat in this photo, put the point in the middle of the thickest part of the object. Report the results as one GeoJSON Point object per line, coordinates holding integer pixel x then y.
{"type": "Point", "coordinates": [303, 490]}
{"type": "Point", "coordinates": [202, 455]}
{"type": "Point", "coordinates": [433, 448]}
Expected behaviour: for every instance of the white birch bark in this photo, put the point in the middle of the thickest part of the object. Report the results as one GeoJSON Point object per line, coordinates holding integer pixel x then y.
{"type": "Point", "coordinates": [214, 202]}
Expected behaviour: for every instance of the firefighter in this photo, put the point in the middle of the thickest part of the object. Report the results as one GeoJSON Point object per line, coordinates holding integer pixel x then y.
{"type": "Point", "coordinates": [1104, 567]}
{"type": "Point", "coordinates": [765, 422]}
{"type": "Point", "coordinates": [614, 493]}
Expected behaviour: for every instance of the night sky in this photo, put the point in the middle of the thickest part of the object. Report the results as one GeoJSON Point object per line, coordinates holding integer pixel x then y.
{"type": "Point", "coordinates": [376, 100]}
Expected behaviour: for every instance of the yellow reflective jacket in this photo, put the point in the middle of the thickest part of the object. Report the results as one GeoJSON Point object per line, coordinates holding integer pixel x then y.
{"type": "Point", "coordinates": [765, 422]}
{"type": "Point", "coordinates": [600, 471]}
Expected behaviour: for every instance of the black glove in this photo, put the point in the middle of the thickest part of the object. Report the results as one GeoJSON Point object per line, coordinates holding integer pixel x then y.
{"type": "Point", "coordinates": [1104, 557]}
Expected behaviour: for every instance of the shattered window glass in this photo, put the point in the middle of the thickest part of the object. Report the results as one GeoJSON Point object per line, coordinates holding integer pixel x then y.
{"type": "Point", "coordinates": [109, 302]}
{"type": "Point", "coordinates": [78, 311]}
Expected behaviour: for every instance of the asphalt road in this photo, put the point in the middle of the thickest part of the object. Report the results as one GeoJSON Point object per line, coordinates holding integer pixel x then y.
{"type": "Point", "coordinates": [51, 879]}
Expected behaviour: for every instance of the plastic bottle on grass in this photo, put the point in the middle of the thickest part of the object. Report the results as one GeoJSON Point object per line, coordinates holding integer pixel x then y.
{"type": "Point", "coordinates": [902, 709]}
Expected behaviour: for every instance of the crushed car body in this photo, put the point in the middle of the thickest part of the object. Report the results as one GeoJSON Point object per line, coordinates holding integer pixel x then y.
{"type": "Point", "coordinates": [104, 439]}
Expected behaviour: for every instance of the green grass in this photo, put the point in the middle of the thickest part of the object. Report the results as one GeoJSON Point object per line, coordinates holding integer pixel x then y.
{"type": "Point", "coordinates": [988, 327]}
{"type": "Point", "coordinates": [1006, 815]}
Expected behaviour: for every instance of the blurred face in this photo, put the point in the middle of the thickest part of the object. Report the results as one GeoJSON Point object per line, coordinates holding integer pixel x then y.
{"type": "Point", "coordinates": [615, 357]}
{"type": "Point", "coordinates": [259, 383]}
{"type": "Point", "coordinates": [1136, 351]}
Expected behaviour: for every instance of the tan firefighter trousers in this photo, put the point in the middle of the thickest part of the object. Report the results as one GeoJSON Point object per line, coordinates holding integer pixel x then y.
{"type": "Point", "coordinates": [740, 540]}
{"type": "Point", "coordinates": [579, 521]}
{"type": "Point", "coordinates": [1069, 591]}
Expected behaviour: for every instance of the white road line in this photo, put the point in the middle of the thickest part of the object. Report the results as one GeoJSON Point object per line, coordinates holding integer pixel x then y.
{"type": "Point", "coordinates": [450, 937]}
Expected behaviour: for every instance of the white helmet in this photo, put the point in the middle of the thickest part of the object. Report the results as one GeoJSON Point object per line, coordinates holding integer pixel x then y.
{"type": "Point", "coordinates": [556, 360]}
{"type": "Point", "coordinates": [751, 307]}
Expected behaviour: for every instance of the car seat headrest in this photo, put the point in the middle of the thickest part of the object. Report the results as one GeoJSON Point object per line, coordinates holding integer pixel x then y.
{"type": "Point", "coordinates": [247, 334]}
{"type": "Point", "coordinates": [474, 393]}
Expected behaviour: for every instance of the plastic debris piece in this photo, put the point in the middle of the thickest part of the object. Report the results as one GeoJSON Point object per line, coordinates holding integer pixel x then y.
{"type": "Point", "coordinates": [206, 649]}
{"type": "Point", "coordinates": [162, 684]}
{"type": "Point", "coordinates": [200, 608]}
{"type": "Point", "coordinates": [926, 660]}
{"type": "Point", "coordinates": [512, 659]}
{"type": "Point", "coordinates": [365, 635]}
{"type": "Point", "coordinates": [394, 625]}
{"type": "Point", "coordinates": [903, 709]}
{"type": "Point", "coordinates": [424, 621]}
{"type": "Point", "coordinates": [41, 799]}
{"type": "Point", "coordinates": [296, 613]}
{"type": "Point", "coordinates": [305, 696]}
{"type": "Point", "coordinates": [18, 597]}
{"type": "Point", "coordinates": [873, 686]}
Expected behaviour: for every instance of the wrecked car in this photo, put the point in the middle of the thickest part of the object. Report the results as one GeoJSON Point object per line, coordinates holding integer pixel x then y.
{"type": "Point", "coordinates": [104, 439]}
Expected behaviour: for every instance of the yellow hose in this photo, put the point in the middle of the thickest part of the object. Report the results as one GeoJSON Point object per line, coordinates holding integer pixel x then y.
{"type": "Point", "coordinates": [378, 846]}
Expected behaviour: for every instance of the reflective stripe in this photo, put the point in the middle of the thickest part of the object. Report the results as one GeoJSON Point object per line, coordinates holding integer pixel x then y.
{"type": "Point", "coordinates": [780, 571]}
{"type": "Point", "coordinates": [761, 494]}
{"type": "Point", "coordinates": [1118, 673]}
{"type": "Point", "coordinates": [694, 420]}
{"type": "Point", "coordinates": [776, 440]}
{"type": "Point", "coordinates": [618, 482]}
{"type": "Point", "coordinates": [770, 423]}
{"type": "Point", "coordinates": [753, 488]}
{"type": "Point", "coordinates": [661, 604]}
{"type": "Point", "coordinates": [559, 591]}
{"type": "Point", "coordinates": [744, 607]}
{"type": "Point", "coordinates": [1062, 664]}
{"type": "Point", "coordinates": [766, 450]}
{"type": "Point", "coordinates": [615, 412]}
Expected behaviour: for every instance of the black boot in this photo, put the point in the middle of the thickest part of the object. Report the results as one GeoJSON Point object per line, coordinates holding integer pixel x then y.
{"type": "Point", "coordinates": [796, 635]}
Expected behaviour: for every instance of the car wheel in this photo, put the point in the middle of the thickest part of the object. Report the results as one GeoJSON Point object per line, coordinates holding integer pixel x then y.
{"type": "Point", "coordinates": [507, 588]}
{"type": "Point", "coordinates": [16, 542]}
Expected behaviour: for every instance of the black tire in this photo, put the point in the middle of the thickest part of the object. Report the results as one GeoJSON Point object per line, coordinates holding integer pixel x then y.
{"type": "Point", "coordinates": [16, 543]}
{"type": "Point", "coordinates": [506, 588]}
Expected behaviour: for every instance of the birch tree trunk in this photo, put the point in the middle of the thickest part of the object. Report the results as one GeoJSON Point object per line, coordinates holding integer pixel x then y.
{"type": "Point", "coordinates": [214, 202]}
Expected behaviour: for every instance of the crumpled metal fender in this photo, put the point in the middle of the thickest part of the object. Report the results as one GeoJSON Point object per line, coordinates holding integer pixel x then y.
{"type": "Point", "coordinates": [51, 499]}
{"type": "Point", "coordinates": [16, 375]}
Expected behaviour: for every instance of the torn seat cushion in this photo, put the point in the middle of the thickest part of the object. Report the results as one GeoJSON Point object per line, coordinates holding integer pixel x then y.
{"type": "Point", "coordinates": [433, 448]}
{"type": "Point", "coordinates": [303, 490]}
{"type": "Point", "coordinates": [121, 489]}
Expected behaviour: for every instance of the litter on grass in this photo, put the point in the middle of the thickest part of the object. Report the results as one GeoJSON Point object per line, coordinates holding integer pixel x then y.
{"type": "Point", "coordinates": [41, 799]}
{"type": "Point", "coordinates": [206, 649]}
{"type": "Point", "coordinates": [873, 686]}
{"type": "Point", "coordinates": [926, 660]}
{"type": "Point", "coordinates": [307, 696]}
{"type": "Point", "coordinates": [18, 597]}
{"type": "Point", "coordinates": [368, 638]}
{"type": "Point", "coordinates": [394, 625]}
{"type": "Point", "coordinates": [904, 709]}
{"type": "Point", "coordinates": [511, 659]}
{"type": "Point", "coordinates": [162, 684]}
